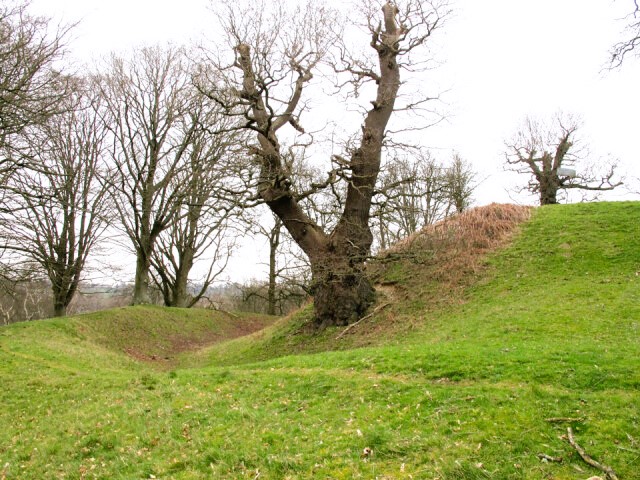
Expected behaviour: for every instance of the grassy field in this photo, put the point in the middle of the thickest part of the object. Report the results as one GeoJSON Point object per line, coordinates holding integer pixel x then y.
{"type": "Point", "coordinates": [472, 367]}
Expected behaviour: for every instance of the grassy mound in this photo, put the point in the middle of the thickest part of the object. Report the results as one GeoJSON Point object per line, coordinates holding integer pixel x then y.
{"type": "Point", "coordinates": [417, 280]}
{"type": "Point", "coordinates": [482, 383]}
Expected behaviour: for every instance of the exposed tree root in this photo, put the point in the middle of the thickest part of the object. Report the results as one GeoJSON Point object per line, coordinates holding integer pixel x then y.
{"type": "Point", "coordinates": [376, 310]}
{"type": "Point", "coordinates": [564, 420]}
{"type": "Point", "coordinates": [608, 471]}
{"type": "Point", "coordinates": [548, 458]}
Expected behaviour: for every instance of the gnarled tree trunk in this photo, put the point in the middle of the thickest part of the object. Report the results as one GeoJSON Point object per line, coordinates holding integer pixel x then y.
{"type": "Point", "coordinates": [549, 183]}
{"type": "Point", "coordinates": [342, 292]}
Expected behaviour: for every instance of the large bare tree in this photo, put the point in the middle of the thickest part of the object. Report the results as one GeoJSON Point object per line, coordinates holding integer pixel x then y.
{"type": "Point", "coordinates": [548, 153]}
{"type": "Point", "coordinates": [277, 51]}
{"type": "Point", "coordinates": [149, 104]}
{"type": "Point", "coordinates": [58, 208]}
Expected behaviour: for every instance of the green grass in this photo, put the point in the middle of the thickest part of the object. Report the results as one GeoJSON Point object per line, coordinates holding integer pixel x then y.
{"type": "Point", "coordinates": [456, 389]}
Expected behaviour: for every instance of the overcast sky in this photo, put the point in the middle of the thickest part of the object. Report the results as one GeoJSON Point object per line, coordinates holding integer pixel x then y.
{"type": "Point", "coordinates": [500, 61]}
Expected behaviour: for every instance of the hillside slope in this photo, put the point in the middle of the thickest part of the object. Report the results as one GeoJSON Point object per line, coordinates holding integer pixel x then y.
{"type": "Point", "coordinates": [417, 281]}
{"type": "Point", "coordinates": [475, 382]}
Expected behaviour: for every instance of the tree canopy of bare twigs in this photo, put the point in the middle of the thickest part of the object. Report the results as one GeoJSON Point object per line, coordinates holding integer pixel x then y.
{"type": "Point", "coordinates": [31, 88]}
{"type": "Point", "coordinates": [418, 191]}
{"type": "Point", "coordinates": [548, 153]}
{"type": "Point", "coordinates": [58, 208]}
{"type": "Point", "coordinates": [278, 50]}
{"type": "Point", "coordinates": [629, 45]}
{"type": "Point", "coordinates": [203, 223]}
{"type": "Point", "coordinates": [461, 182]}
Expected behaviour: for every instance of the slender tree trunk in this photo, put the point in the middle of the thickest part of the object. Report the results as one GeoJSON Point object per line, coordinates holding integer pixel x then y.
{"type": "Point", "coordinates": [141, 285]}
{"type": "Point", "coordinates": [274, 242]}
{"type": "Point", "coordinates": [181, 297]}
{"type": "Point", "coordinates": [383, 227]}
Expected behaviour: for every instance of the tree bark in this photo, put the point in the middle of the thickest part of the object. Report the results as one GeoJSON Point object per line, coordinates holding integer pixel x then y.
{"type": "Point", "coordinates": [141, 284]}
{"type": "Point", "coordinates": [181, 297]}
{"type": "Point", "coordinates": [341, 290]}
{"type": "Point", "coordinates": [59, 310]}
{"type": "Point", "coordinates": [64, 287]}
{"type": "Point", "coordinates": [274, 242]}
{"type": "Point", "coordinates": [549, 185]}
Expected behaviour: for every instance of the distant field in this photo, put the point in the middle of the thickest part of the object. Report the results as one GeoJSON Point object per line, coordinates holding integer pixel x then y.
{"type": "Point", "coordinates": [491, 337]}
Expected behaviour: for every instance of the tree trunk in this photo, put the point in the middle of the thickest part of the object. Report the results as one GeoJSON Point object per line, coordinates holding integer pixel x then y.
{"type": "Point", "coordinates": [59, 309]}
{"type": "Point", "coordinates": [274, 242]}
{"type": "Point", "coordinates": [271, 290]}
{"type": "Point", "coordinates": [181, 297]}
{"type": "Point", "coordinates": [141, 286]}
{"type": "Point", "coordinates": [63, 288]}
{"type": "Point", "coordinates": [342, 293]}
{"type": "Point", "coordinates": [549, 185]}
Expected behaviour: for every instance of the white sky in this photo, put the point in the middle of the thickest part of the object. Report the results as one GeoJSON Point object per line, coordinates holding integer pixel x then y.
{"type": "Point", "coordinates": [501, 60]}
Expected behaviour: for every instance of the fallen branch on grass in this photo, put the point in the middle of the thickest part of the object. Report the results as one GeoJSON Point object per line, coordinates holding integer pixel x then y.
{"type": "Point", "coordinates": [376, 310]}
{"type": "Point", "coordinates": [608, 471]}
{"type": "Point", "coordinates": [548, 458]}
{"type": "Point", "coordinates": [232, 315]}
{"type": "Point", "coordinates": [564, 420]}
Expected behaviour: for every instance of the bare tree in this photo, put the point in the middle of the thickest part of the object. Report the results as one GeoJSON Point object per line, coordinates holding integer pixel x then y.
{"type": "Point", "coordinates": [546, 153]}
{"type": "Point", "coordinates": [412, 194]}
{"type": "Point", "coordinates": [288, 272]}
{"type": "Point", "coordinates": [201, 223]}
{"type": "Point", "coordinates": [628, 46]}
{"type": "Point", "coordinates": [31, 89]}
{"type": "Point", "coordinates": [149, 101]}
{"type": "Point", "coordinates": [186, 241]}
{"type": "Point", "coordinates": [418, 191]}
{"type": "Point", "coordinates": [277, 52]}
{"type": "Point", "coordinates": [460, 183]}
{"type": "Point", "coordinates": [58, 209]}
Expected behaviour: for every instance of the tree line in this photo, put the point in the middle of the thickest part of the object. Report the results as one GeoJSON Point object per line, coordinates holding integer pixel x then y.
{"type": "Point", "coordinates": [174, 152]}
